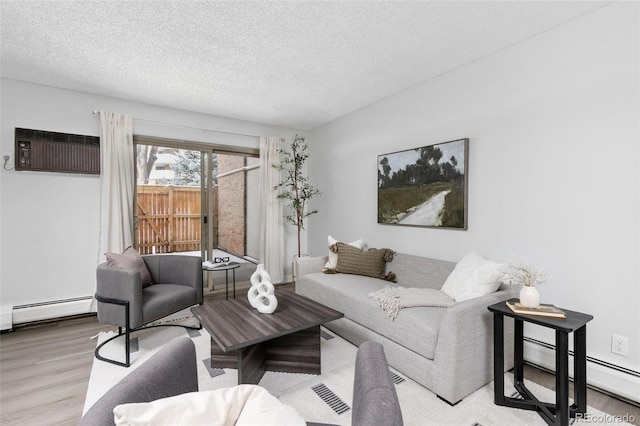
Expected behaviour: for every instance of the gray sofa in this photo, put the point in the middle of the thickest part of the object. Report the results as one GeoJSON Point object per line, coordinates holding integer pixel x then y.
{"type": "Point", "coordinates": [173, 371]}
{"type": "Point", "coordinates": [447, 350]}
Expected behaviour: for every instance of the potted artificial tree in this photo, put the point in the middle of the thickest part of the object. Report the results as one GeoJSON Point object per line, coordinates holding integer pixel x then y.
{"type": "Point", "coordinates": [295, 187]}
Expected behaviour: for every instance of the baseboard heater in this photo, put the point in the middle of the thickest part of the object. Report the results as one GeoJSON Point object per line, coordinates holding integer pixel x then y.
{"type": "Point", "coordinates": [626, 381]}
{"type": "Point", "coordinates": [22, 314]}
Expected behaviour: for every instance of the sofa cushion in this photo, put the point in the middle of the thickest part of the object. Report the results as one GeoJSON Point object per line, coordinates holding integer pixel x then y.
{"type": "Point", "coordinates": [420, 272]}
{"type": "Point", "coordinates": [473, 277]}
{"type": "Point", "coordinates": [130, 259]}
{"type": "Point", "coordinates": [414, 328]}
{"type": "Point", "coordinates": [332, 262]}
{"type": "Point", "coordinates": [370, 263]}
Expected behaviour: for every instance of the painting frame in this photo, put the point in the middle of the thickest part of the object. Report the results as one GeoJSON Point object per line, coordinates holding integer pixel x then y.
{"type": "Point", "coordinates": [425, 187]}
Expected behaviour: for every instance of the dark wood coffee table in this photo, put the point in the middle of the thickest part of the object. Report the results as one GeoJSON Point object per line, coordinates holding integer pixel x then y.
{"type": "Point", "coordinates": [287, 340]}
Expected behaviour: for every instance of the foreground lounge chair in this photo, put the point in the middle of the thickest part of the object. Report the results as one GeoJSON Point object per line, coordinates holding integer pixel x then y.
{"type": "Point", "coordinates": [173, 371]}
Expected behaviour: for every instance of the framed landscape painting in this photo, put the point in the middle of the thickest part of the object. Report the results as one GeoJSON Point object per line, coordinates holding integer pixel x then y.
{"type": "Point", "coordinates": [424, 186]}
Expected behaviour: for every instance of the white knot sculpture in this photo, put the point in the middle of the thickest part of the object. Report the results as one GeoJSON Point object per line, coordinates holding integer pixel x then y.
{"type": "Point", "coordinates": [262, 293]}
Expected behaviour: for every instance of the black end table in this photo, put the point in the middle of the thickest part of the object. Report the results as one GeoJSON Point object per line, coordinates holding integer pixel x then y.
{"type": "Point", "coordinates": [560, 412]}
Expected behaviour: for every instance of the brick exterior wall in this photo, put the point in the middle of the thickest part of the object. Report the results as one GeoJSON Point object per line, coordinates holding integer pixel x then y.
{"type": "Point", "coordinates": [231, 205]}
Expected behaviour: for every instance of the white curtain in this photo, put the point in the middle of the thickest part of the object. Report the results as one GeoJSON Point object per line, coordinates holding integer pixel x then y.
{"type": "Point", "coordinates": [117, 183]}
{"type": "Point", "coordinates": [271, 218]}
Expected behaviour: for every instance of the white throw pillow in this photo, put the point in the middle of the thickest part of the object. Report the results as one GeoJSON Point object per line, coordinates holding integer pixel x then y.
{"type": "Point", "coordinates": [238, 405]}
{"type": "Point", "coordinates": [332, 263]}
{"type": "Point", "coordinates": [472, 277]}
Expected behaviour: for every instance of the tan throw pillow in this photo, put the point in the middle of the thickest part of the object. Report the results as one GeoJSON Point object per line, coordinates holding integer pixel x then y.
{"type": "Point", "coordinates": [332, 261]}
{"type": "Point", "coordinates": [130, 259]}
{"type": "Point", "coordinates": [370, 263]}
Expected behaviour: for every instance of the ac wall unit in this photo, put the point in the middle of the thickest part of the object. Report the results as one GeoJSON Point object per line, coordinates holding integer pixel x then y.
{"type": "Point", "coordinates": [43, 151]}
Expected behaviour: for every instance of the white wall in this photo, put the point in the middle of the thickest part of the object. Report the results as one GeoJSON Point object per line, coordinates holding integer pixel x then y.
{"type": "Point", "coordinates": [49, 221]}
{"type": "Point", "coordinates": [553, 124]}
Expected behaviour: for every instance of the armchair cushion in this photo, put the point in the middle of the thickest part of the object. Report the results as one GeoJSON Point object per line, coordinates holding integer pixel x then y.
{"type": "Point", "coordinates": [159, 300]}
{"type": "Point", "coordinates": [130, 259]}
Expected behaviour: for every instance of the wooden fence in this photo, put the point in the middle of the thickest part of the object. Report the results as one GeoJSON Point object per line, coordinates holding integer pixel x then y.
{"type": "Point", "coordinates": [168, 219]}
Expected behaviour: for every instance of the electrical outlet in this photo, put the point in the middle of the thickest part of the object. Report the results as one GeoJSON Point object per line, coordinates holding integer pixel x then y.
{"type": "Point", "coordinates": [620, 345]}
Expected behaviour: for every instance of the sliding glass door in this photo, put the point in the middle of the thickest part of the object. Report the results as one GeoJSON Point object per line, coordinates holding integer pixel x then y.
{"type": "Point", "coordinates": [195, 200]}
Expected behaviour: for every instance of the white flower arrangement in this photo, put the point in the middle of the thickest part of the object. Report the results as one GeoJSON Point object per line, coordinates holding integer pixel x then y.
{"type": "Point", "coordinates": [519, 272]}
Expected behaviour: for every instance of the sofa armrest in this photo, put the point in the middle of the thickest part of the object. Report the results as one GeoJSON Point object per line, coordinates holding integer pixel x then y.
{"type": "Point", "coordinates": [172, 371]}
{"type": "Point", "coordinates": [309, 265]}
{"type": "Point", "coordinates": [176, 269]}
{"type": "Point", "coordinates": [375, 401]}
{"type": "Point", "coordinates": [467, 327]}
{"type": "Point", "coordinates": [121, 284]}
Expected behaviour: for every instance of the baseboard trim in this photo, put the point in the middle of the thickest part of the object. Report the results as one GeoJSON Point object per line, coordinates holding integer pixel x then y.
{"type": "Point", "coordinates": [22, 314]}
{"type": "Point", "coordinates": [609, 378]}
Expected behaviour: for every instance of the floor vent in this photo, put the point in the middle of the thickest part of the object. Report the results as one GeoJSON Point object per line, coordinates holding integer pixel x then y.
{"type": "Point", "coordinates": [395, 378]}
{"type": "Point", "coordinates": [331, 399]}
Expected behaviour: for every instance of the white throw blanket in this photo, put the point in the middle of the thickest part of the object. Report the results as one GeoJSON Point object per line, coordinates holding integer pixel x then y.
{"type": "Point", "coordinates": [392, 298]}
{"type": "Point", "coordinates": [239, 405]}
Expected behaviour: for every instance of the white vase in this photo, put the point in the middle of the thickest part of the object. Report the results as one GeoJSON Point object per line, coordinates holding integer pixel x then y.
{"type": "Point", "coordinates": [261, 295]}
{"type": "Point", "coordinates": [530, 297]}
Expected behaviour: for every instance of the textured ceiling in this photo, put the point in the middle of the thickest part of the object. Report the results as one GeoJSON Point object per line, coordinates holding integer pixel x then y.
{"type": "Point", "coordinates": [293, 64]}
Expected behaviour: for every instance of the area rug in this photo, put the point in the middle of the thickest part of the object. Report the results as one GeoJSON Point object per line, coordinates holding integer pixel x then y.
{"type": "Point", "coordinates": [326, 398]}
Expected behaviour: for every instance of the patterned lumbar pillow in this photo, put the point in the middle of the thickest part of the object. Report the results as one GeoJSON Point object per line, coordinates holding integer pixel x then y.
{"type": "Point", "coordinates": [370, 263]}
{"type": "Point", "coordinates": [130, 259]}
{"type": "Point", "coordinates": [333, 256]}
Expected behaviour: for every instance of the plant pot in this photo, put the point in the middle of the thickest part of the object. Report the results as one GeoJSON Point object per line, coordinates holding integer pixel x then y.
{"type": "Point", "coordinates": [530, 297]}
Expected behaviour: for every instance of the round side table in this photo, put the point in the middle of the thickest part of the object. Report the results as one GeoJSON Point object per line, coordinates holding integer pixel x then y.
{"type": "Point", "coordinates": [226, 268]}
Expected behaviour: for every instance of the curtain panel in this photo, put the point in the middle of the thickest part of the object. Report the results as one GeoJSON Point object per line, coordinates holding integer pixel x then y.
{"type": "Point", "coordinates": [117, 185]}
{"type": "Point", "coordinates": [271, 217]}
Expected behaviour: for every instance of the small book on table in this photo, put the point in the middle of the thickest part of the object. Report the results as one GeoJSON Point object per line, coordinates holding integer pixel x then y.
{"type": "Point", "coordinates": [542, 310]}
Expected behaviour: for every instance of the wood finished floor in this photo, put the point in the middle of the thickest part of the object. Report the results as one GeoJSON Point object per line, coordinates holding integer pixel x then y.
{"type": "Point", "coordinates": [45, 368]}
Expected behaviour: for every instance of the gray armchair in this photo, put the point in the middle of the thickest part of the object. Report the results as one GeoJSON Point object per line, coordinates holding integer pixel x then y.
{"type": "Point", "coordinates": [375, 401]}
{"type": "Point", "coordinates": [172, 371]}
{"type": "Point", "coordinates": [124, 302]}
